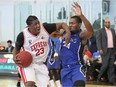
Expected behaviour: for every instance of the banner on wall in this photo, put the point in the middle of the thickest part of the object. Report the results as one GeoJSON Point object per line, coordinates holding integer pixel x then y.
{"type": "Point", "coordinates": [7, 65]}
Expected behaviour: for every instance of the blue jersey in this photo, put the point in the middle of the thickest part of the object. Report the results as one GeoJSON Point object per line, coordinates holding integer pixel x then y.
{"type": "Point", "coordinates": [54, 44]}
{"type": "Point", "coordinates": [70, 54]}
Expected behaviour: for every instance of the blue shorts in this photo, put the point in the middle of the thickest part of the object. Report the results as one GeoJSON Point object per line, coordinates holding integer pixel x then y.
{"type": "Point", "coordinates": [69, 75]}
{"type": "Point", "coordinates": [54, 65]}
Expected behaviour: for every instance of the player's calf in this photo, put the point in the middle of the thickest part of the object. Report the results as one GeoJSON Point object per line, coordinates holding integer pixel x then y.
{"type": "Point", "coordinates": [30, 84]}
{"type": "Point", "coordinates": [79, 83]}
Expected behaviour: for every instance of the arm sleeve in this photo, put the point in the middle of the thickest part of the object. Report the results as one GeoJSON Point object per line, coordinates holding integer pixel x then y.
{"type": "Point", "coordinates": [50, 27]}
{"type": "Point", "coordinates": [19, 41]}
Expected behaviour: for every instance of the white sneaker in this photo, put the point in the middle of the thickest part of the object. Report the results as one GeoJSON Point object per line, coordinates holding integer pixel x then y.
{"type": "Point", "coordinates": [58, 84]}
{"type": "Point", "coordinates": [52, 83]}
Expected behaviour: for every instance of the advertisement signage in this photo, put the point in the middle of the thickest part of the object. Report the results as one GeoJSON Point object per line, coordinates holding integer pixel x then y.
{"type": "Point", "coordinates": [7, 65]}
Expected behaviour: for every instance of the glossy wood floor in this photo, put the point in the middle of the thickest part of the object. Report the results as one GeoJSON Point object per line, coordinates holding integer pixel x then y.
{"type": "Point", "coordinates": [11, 82]}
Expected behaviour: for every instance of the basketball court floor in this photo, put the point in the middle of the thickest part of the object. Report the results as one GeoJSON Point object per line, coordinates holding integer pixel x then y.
{"type": "Point", "coordinates": [11, 82]}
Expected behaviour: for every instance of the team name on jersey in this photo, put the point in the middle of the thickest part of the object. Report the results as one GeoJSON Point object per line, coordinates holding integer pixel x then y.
{"type": "Point", "coordinates": [38, 45]}
{"type": "Point", "coordinates": [39, 48]}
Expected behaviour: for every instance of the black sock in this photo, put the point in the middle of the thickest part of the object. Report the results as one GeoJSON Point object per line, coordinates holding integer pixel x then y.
{"type": "Point", "coordinates": [18, 84]}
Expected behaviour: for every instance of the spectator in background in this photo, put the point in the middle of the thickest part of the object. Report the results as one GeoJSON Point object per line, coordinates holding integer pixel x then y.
{"type": "Point", "coordinates": [97, 22]}
{"type": "Point", "coordinates": [10, 48]}
{"type": "Point", "coordinates": [62, 13]}
{"type": "Point", "coordinates": [96, 64]}
{"type": "Point", "coordinates": [115, 67]}
{"type": "Point", "coordinates": [106, 44]}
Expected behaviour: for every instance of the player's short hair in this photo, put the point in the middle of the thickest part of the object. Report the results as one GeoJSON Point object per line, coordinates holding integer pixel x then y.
{"type": "Point", "coordinates": [78, 19]}
{"type": "Point", "coordinates": [30, 19]}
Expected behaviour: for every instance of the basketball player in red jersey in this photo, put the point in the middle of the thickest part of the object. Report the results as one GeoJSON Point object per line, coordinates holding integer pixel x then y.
{"type": "Point", "coordinates": [34, 39]}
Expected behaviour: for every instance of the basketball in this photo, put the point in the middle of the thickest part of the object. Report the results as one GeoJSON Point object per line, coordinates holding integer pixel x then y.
{"type": "Point", "coordinates": [25, 58]}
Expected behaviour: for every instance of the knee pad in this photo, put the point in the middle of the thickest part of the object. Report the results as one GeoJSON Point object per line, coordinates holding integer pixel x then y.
{"type": "Point", "coordinates": [79, 83]}
{"type": "Point", "coordinates": [30, 84]}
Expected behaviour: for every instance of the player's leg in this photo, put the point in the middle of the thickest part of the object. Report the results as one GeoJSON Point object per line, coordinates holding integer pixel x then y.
{"type": "Point", "coordinates": [51, 75]}
{"type": "Point", "coordinates": [57, 77]}
{"type": "Point", "coordinates": [79, 83]}
{"type": "Point", "coordinates": [66, 78]}
{"type": "Point", "coordinates": [28, 76]}
{"type": "Point", "coordinates": [30, 84]}
{"type": "Point", "coordinates": [19, 80]}
{"type": "Point", "coordinates": [56, 74]}
{"type": "Point", "coordinates": [79, 76]}
{"type": "Point", "coordinates": [42, 75]}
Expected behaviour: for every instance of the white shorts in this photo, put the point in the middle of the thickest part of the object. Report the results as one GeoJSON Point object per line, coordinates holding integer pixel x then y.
{"type": "Point", "coordinates": [35, 72]}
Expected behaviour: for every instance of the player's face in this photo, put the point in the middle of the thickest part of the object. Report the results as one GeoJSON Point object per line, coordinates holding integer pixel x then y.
{"type": "Point", "coordinates": [35, 27]}
{"type": "Point", "coordinates": [74, 26]}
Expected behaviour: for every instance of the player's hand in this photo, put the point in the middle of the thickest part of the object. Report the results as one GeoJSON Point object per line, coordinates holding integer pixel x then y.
{"type": "Point", "coordinates": [55, 34]}
{"type": "Point", "coordinates": [55, 56]}
{"type": "Point", "coordinates": [17, 60]}
{"type": "Point", "coordinates": [77, 9]}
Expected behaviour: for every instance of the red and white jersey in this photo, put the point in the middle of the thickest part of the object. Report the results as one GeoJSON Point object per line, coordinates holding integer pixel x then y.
{"type": "Point", "coordinates": [36, 45]}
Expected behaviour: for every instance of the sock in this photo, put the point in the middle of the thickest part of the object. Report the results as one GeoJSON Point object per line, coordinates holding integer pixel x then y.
{"type": "Point", "coordinates": [18, 84]}
{"type": "Point", "coordinates": [52, 84]}
{"type": "Point", "coordinates": [58, 83]}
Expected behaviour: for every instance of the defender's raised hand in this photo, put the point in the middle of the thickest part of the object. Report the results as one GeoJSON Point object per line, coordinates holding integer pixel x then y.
{"type": "Point", "coordinates": [77, 9]}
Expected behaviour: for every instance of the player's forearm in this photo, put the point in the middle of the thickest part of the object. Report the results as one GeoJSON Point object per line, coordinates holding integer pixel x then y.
{"type": "Point", "coordinates": [87, 23]}
{"type": "Point", "coordinates": [66, 28]}
{"type": "Point", "coordinates": [62, 26]}
{"type": "Point", "coordinates": [15, 52]}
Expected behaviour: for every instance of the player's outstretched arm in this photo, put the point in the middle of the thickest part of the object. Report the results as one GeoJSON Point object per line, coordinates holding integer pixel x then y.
{"type": "Point", "coordinates": [79, 13]}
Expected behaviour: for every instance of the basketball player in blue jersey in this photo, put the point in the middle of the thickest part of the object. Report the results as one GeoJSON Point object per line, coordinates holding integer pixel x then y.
{"type": "Point", "coordinates": [53, 62]}
{"type": "Point", "coordinates": [34, 39]}
{"type": "Point", "coordinates": [72, 74]}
